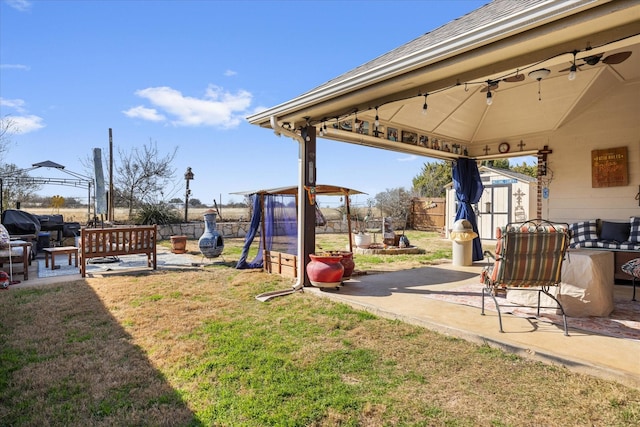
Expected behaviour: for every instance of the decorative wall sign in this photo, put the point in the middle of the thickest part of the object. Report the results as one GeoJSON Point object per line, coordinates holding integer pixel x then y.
{"type": "Point", "coordinates": [609, 167]}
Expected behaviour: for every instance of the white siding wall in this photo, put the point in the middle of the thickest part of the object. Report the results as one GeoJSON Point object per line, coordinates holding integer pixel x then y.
{"type": "Point", "coordinates": [613, 121]}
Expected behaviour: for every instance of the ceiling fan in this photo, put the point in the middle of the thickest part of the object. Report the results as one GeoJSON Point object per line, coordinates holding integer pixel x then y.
{"type": "Point", "coordinates": [612, 59]}
{"type": "Point", "coordinates": [493, 84]}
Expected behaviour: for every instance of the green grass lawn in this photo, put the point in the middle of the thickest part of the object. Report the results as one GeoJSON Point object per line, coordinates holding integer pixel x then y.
{"type": "Point", "coordinates": [195, 348]}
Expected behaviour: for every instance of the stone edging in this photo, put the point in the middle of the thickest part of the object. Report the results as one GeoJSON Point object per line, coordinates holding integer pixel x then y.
{"type": "Point", "coordinates": [193, 230]}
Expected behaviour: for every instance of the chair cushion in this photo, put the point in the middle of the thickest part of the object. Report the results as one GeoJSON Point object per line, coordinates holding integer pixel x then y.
{"type": "Point", "coordinates": [16, 252]}
{"type": "Point", "coordinates": [584, 234]}
{"type": "Point", "coordinates": [632, 267]}
{"type": "Point", "coordinates": [533, 259]}
{"type": "Point", "coordinates": [5, 239]}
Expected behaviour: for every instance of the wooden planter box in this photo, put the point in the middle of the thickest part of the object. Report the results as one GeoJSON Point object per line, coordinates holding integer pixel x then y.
{"type": "Point", "coordinates": [280, 263]}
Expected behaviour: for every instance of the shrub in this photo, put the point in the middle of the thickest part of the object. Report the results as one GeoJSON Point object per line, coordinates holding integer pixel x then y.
{"type": "Point", "coordinates": [160, 214]}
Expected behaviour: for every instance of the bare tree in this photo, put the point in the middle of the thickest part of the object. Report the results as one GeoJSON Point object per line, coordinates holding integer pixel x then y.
{"type": "Point", "coordinates": [17, 186]}
{"type": "Point", "coordinates": [142, 175]}
{"type": "Point", "coordinates": [8, 126]}
{"type": "Point", "coordinates": [394, 202]}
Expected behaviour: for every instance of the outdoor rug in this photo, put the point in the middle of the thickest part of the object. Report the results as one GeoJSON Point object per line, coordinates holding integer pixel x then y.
{"type": "Point", "coordinates": [623, 322]}
{"type": "Point", "coordinates": [166, 260]}
{"type": "Point", "coordinates": [64, 269]}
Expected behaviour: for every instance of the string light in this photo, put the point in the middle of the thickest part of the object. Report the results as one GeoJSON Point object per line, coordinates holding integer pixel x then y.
{"type": "Point", "coordinates": [571, 76]}
{"type": "Point", "coordinates": [425, 106]}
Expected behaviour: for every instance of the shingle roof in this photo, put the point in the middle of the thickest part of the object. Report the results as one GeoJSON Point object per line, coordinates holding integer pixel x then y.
{"type": "Point", "coordinates": [488, 14]}
{"type": "Point", "coordinates": [510, 173]}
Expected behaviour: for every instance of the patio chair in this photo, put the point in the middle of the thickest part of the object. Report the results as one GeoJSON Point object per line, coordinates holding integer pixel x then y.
{"type": "Point", "coordinates": [632, 268]}
{"type": "Point", "coordinates": [14, 252]}
{"type": "Point", "coordinates": [529, 256]}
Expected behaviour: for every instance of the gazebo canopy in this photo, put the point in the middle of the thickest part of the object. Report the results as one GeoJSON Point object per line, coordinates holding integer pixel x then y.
{"type": "Point", "coordinates": [321, 190]}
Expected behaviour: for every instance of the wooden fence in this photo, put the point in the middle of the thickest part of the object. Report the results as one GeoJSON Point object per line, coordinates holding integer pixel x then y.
{"type": "Point", "coordinates": [427, 214]}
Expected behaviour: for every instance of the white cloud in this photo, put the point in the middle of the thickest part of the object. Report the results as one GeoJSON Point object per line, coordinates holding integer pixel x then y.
{"type": "Point", "coordinates": [26, 124]}
{"type": "Point", "coordinates": [410, 158]}
{"type": "Point", "coordinates": [16, 104]}
{"type": "Point", "coordinates": [21, 5]}
{"type": "Point", "coordinates": [14, 67]}
{"type": "Point", "coordinates": [144, 113]}
{"type": "Point", "coordinates": [230, 73]}
{"type": "Point", "coordinates": [217, 108]}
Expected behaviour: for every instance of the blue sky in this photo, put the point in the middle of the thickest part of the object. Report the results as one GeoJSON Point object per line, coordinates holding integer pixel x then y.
{"type": "Point", "coordinates": [186, 74]}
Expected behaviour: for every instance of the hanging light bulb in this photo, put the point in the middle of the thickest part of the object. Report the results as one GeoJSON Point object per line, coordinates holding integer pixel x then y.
{"type": "Point", "coordinates": [489, 98]}
{"type": "Point", "coordinates": [321, 130]}
{"type": "Point", "coordinates": [425, 106]}
{"type": "Point", "coordinates": [376, 123]}
{"type": "Point", "coordinates": [573, 69]}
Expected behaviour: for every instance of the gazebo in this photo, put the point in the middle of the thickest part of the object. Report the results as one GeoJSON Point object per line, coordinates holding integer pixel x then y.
{"type": "Point", "coordinates": [275, 215]}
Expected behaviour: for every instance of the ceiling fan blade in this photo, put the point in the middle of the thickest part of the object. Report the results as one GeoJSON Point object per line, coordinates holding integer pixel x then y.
{"type": "Point", "coordinates": [617, 58]}
{"type": "Point", "coordinates": [569, 69]}
{"type": "Point", "coordinates": [514, 79]}
{"type": "Point", "coordinates": [593, 59]}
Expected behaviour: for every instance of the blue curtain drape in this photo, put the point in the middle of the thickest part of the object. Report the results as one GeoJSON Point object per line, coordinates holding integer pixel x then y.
{"type": "Point", "coordinates": [280, 229]}
{"type": "Point", "coordinates": [251, 234]}
{"type": "Point", "coordinates": [468, 186]}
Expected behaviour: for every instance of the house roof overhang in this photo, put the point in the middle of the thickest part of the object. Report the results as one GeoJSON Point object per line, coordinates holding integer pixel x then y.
{"type": "Point", "coordinates": [455, 64]}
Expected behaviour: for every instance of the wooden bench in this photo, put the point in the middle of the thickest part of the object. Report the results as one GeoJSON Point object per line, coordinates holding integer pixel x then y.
{"type": "Point", "coordinates": [116, 241]}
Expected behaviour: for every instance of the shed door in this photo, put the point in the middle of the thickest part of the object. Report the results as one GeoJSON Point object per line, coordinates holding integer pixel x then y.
{"type": "Point", "coordinates": [494, 209]}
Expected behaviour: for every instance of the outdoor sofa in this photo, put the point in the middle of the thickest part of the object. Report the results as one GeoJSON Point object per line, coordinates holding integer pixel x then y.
{"type": "Point", "coordinates": [620, 237]}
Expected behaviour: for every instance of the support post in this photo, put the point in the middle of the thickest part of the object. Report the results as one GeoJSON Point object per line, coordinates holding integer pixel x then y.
{"type": "Point", "coordinates": [307, 208]}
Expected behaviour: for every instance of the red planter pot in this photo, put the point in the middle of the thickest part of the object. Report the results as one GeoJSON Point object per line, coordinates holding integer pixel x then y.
{"type": "Point", "coordinates": [325, 271]}
{"type": "Point", "coordinates": [347, 262]}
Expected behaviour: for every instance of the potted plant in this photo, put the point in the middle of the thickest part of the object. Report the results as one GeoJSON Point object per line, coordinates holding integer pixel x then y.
{"type": "Point", "coordinates": [361, 238]}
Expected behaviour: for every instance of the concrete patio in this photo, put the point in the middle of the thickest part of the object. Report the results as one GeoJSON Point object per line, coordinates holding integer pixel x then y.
{"type": "Point", "coordinates": [402, 295]}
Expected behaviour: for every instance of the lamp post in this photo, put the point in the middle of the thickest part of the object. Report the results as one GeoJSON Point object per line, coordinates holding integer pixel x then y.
{"type": "Point", "coordinates": [188, 176]}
